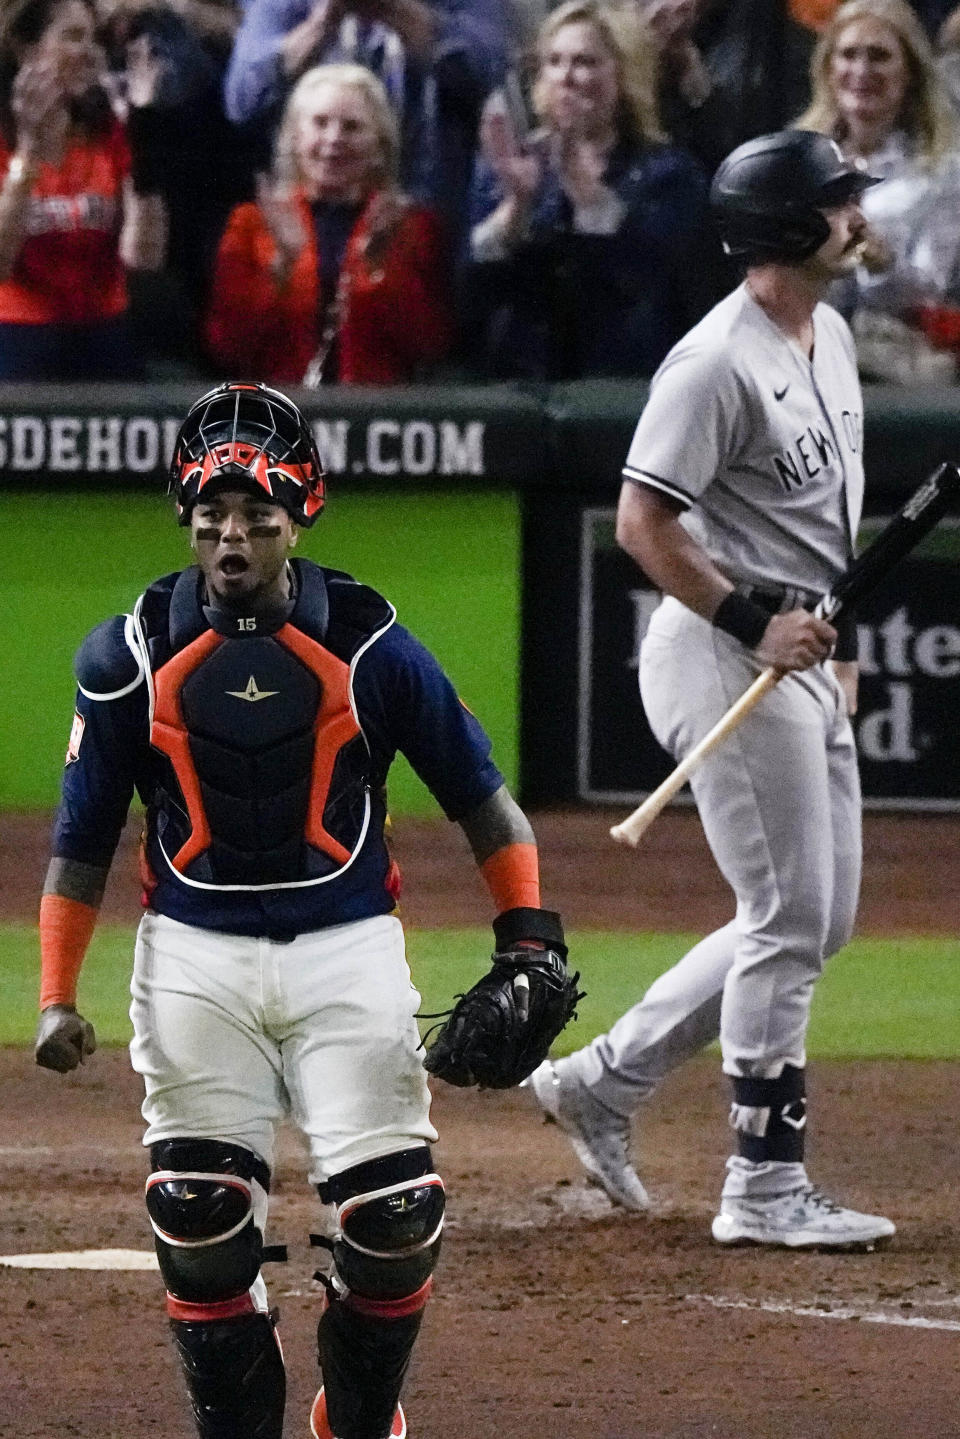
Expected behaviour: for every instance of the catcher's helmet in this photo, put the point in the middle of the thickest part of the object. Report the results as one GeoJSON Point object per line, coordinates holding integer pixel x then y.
{"type": "Point", "coordinates": [767, 195]}
{"type": "Point", "coordinates": [248, 436]}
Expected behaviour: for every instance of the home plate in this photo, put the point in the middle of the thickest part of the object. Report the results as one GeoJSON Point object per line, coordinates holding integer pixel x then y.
{"type": "Point", "coordinates": [84, 1259]}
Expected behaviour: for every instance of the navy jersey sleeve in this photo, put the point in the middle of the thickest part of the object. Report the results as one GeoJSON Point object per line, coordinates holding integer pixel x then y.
{"type": "Point", "coordinates": [406, 702]}
{"type": "Point", "coordinates": [107, 746]}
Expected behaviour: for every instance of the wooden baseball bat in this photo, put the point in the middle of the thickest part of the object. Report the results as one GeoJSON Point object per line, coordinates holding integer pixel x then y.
{"type": "Point", "coordinates": [925, 507]}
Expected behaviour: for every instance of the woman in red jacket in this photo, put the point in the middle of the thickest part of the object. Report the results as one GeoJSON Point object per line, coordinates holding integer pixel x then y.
{"type": "Point", "coordinates": [76, 206]}
{"type": "Point", "coordinates": [332, 276]}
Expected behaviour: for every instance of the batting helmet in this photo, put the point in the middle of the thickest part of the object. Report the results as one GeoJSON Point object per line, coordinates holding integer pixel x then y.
{"type": "Point", "coordinates": [768, 195]}
{"type": "Point", "coordinates": [248, 436]}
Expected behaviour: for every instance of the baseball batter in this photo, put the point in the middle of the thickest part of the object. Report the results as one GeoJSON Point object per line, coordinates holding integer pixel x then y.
{"type": "Point", "coordinates": [741, 501]}
{"type": "Point", "coordinates": [255, 701]}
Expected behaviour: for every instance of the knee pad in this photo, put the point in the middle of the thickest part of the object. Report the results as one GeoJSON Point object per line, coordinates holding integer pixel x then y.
{"type": "Point", "coordinates": [389, 1222]}
{"type": "Point", "coordinates": [202, 1200]}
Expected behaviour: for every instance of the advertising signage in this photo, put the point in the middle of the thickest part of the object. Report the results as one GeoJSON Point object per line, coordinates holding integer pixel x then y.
{"type": "Point", "coordinates": [908, 635]}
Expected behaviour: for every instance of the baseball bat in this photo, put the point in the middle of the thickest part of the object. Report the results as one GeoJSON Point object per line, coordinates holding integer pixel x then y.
{"type": "Point", "coordinates": [922, 511]}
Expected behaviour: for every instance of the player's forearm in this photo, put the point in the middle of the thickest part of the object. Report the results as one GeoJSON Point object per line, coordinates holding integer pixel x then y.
{"type": "Point", "coordinates": [497, 822]}
{"type": "Point", "coordinates": [505, 849]}
{"type": "Point", "coordinates": [670, 558]}
{"type": "Point", "coordinates": [74, 879]}
{"type": "Point", "coordinates": [72, 892]}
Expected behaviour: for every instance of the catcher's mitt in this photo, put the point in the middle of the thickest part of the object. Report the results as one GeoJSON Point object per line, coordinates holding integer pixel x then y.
{"type": "Point", "coordinates": [501, 1029]}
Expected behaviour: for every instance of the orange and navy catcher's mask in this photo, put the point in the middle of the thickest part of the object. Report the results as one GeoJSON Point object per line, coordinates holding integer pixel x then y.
{"type": "Point", "coordinates": [248, 436]}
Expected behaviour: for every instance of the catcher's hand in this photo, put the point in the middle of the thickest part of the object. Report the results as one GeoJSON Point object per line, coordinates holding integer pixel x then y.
{"type": "Point", "coordinates": [64, 1038]}
{"type": "Point", "coordinates": [501, 1029]}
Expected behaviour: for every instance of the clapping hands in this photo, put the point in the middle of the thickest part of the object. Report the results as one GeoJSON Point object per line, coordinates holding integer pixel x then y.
{"type": "Point", "coordinates": [145, 72]}
{"type": "Point", "coordinates": [40, 113]}
{"type": "Point", "coordinates": [581, 164]}
{"type": "Point", "coordinates": [519, 168]}
{"type": "Point", "coordinates": [278, 205]}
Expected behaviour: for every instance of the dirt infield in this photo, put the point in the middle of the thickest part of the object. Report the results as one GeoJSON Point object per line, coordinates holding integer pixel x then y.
{"type": "Point", "coordinates": [668, 883]}
{"type": "Point", "coordinates": [554, 1317]}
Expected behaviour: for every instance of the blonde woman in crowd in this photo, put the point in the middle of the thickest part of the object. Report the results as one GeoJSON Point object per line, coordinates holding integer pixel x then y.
{"type": "Point", "coordinates": [332, 275]}
{"type": "Point", "coordinates": [591, 248]}
{"type": "Point", "coordinates": [877, 91]}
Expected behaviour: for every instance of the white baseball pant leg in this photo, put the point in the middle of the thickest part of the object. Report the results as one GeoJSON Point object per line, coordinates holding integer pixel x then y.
{"type": "Point", "coordinates": [779, 801]}
{"type": "Point", "coordinates": [780, 806]}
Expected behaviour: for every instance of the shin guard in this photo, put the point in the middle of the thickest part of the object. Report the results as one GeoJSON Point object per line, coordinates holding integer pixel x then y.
{"type": "Point", "coordinates": [389, 1222]}
{"type": "Point", "coordinates": [235, 1375]}
{"type": "Point", "coordinates": [365, 1349]}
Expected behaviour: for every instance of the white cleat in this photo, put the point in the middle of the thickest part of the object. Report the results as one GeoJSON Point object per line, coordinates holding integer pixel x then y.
{"type": "Point", "coordinates": [803, 1218]}
{"type": "Point", "coordinates": [600, 1137]}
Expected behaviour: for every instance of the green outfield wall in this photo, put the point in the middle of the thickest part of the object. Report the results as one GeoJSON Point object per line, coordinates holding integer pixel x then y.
{"type": "Point", "coordinates": [450, 562]}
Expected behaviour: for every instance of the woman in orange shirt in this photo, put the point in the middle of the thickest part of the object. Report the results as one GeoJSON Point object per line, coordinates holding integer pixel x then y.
{"type": "Point", "coordinates": [332, 276]}
{"type": "Point", "coordinates": [71, 220]}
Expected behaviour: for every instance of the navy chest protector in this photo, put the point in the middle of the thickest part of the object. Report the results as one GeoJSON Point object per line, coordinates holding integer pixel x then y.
{"type": "Point", "coordinates": [268, 771]}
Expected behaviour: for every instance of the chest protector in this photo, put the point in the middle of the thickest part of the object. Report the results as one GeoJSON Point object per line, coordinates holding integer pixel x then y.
{"type": "Point", "coordinates": [266, 780]}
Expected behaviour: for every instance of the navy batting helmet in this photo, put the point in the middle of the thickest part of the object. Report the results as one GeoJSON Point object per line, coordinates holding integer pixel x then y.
{"type": "Point", "coordinates": [248, 436]}
{"type": "Point", "coordinates": [768, 195]}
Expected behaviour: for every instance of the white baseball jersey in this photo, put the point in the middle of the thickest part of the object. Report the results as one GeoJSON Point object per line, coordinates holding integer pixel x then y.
{"type": "Point", "coordinates": [760, 445]}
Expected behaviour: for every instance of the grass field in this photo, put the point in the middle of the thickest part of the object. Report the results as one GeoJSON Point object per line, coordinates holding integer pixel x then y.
{"type": "Point", "coordinates": [878, 998]}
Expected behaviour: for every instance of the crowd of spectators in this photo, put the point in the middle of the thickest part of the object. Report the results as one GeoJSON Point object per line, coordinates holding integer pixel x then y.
{"type": "Point", "coordinates": [386, 191]}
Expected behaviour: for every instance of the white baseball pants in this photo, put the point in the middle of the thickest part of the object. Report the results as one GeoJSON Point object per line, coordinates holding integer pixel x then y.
{"type": "Point", "coordinates": [233, 1035]}
{"type": "Point", "coordinates": [779, 801]}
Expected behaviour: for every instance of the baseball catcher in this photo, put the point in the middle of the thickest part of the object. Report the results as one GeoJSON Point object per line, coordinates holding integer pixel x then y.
{"type": "Point", "coordinates": [501, 1029]}
{"type": "Point", "coordinates": [256, 701]}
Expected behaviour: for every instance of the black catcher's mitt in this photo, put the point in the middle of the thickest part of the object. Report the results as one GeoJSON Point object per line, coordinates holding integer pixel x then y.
{"type": "Point", "coordinates": [501, 1029]}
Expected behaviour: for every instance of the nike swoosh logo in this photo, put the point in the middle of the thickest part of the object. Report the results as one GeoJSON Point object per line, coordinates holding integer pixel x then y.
{"type": "Point", "coordinates": [251, 693]}
{"type": "Point", "coordinates": [779, 394]}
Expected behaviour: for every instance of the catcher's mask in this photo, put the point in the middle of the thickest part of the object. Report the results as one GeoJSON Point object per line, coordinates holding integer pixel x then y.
{"type": "Point", "coordinates": [248, 436]}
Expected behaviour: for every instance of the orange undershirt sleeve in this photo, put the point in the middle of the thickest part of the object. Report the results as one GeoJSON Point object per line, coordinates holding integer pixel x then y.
{"type": "Point", "coordinates": [513, 877]}
{"type": "Point", "coordinates": [66, 928]}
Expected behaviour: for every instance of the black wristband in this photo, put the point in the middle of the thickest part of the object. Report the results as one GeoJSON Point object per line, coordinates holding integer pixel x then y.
{"type": "Point", "coordinates": [846, 647]}
{"type": "Point", "coordinates": [515, 925]}
{"type": "Point", "coordinates": [740, 617]}
{"type": "Point", "coordinates": [148, 137]}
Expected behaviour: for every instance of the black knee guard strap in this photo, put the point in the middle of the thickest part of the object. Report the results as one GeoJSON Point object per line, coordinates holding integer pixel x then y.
{"type": "Point", "coordinates": [770, 1116]}
{"type": "Point", "coordinates": [200, 1202]}
{"type": "Point", "coordinates": [235, 1376]}
{"type": "Point", "coordinates": [376, 1173]}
